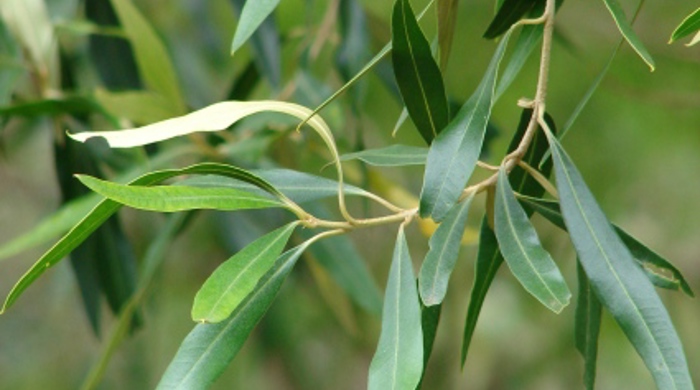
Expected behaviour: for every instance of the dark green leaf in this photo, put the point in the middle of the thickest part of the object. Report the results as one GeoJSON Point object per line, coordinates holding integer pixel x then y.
{"type": "Point", "coordinates": [74, 105]}
{"type": "Point", "coordinates": [647, 258]}
{"type": "Point", "coordinates": [398, 361]}
{"type": "Point", "coordinates": [12, 68]}
{"type": "Point", "coordinates": [442, 255]}
{"type": "Point", "coordinates": [97, 217]}
{"type": "Point", "coordinates": [353, 51]}
{"type": "Point", "coordinates": [391, 156]}
{"type": "Point", "coordinates": [430, 318]}
{"type": "Point", "coordinates": [233, 280]}
{"type": "Point", "coordinates": [178, 198]}
{"type": "Point", "coordinates": [625, 28]}
{"type": "Point", "coordinates": [417, 74]}
{"type": "Point", "coordinates": [617, 279]}
{"type": "Point", "coordinates": [454, 153]}
{"type": "Point", "coordinates": [488, 260]}
{"type": "Point", "coordinates": [587, 327]}
{"type": "Point", "coordinates": [528, 261]}
{"type": "Point", "coordinates": [510, 12]}
{"type": "Point", "coordinates": [688, 26]}
{"type": "Point", "coordinates": [209, 348]}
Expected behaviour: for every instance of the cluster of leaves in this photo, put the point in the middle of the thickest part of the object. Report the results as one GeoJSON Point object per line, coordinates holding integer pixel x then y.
{"type": "Point", "coordinates": [615, 271]}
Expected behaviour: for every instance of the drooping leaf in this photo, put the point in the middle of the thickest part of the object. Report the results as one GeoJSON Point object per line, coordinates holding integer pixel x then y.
{"type": "Point", "coordinates": [454, 153]}
{"type": "Point", "coordinates": [689, 25]}
{"type": "Point", "coordinates": [489, 257]}
{"type": "Point", "coordinates": [528, 261]}
{"type": "Point", "coordinates": [618, 280]}
{"type": "Point", "coordinates": [509, 13]}
{"type": "Point", "coordinates": [430, 318]}
{"type": "Point", "coordinates": [488, 260]}
{"type": "Point", "coordinates": [233, 280]}
{"type": "Point", "coordinates": [97, 216]}
{"type": "Point", "coordinates": [390, 156]}
{"type": "Point", "coordinates": [417, 74]}
{"type": "Point", "coordinates": [587, 329]}
{"type": "Point", "coordinates": [646, 257]}
{"type": "Point", "coordinates": [209, 348]}
{"type": "Point", "coordinates": [398, 361]}
{"type": "Point", "coordinates": [258, 25]}
{"type": "Point", "coordinates": [442, 256]}
{"type": "Point", "coordinates": [178, 198]}
{"type": "Point", "coordinates": [152, 59]}
{"type": "Point", "coordinates": [625, 28]}
{"type": "Point", "coordinates": [447, 20]}
{"type": "Point", "coordinates": [252, 15]}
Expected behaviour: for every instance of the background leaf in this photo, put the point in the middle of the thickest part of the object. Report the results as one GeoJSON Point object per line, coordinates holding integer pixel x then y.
{"type": "Point", "coordinates": [619, 282]}
{"type": "Point", "coordinates": [689, 25]}
{"type": "Point", "coordinates": [257, 24]}
{"type": "Point", "coordinates": [453, 155]}
{"type": "Point", "coordinates": [587, 326]}
{"type": "Point", "coordinates": [390, 156]}
{"type": "Point", "coordinates": [447, 20]}
{"type": "Point", "coordinates": [417, 74]}
{"type": "Point", "coordinates": [253, 13]}
{"type": "Point", "coordinates": [398, 361]}
{"type": "Point", "coordinates": [234, 279]}
{"type": "Point", "coordinates": [625, 28]}
{"type": "Point", "coordinates": [508, 14]}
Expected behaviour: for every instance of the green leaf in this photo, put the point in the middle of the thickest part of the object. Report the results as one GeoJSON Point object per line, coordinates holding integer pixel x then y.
{"type": "Point", "coordinates": [625, 28]}
{"type": "Point", "coordinates": [454, 153]}
{"type": "Point", "coordinates": [617, 279]}
{"type": "Point", "coordinates": [12, 66]}
{"type": "Point", "coordinates": [177, 198]}
{"type": "Point", "coordinates": [430, 318]}
{"type": "Point", "coordinates": [209, 348]}
{"type": "Point", "coordinates": [647, 258]}
{"type": "Point", "coordinates": [264, 39]}
{"type": "Point", "coordinates": [488, 260]}
{"type": "Point", "coordinates": [253, 14]}
{"type": "Point", "coordinates": [152, 59]}
{"type": "Point", "coordinates": [587, 329]}
{"type": "Point", "coordinates": [689, 25]}
{"type": "Point", "coordinates": [233, 280]}
{"type": "Point", "coordinates": [97, 216]}
{"type": "Point", "coordinates": [447, 20]}
{"type": "Point", "coordinates": [74, 105]}
{"type": "Point", "coordinates": [529, 37]}
{"type": "Point", "coordinates": [510, 12]}
{"type": "Point", "coordinates": [353, 51]}
{"type": "Point", "coordinates": [398, 361]}
{"type": "Point", "coordinates": [390, 156]}
{"type": "Point", "coordinates": [442, 256]}
{"type": "Point", "coordinates": [527, 260]}
{"type": "Point", "coordinates": [417, 74]}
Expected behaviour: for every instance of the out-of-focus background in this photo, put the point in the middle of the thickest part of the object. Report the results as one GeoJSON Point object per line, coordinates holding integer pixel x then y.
{"type": "Point", "coordinates": [636, 144]}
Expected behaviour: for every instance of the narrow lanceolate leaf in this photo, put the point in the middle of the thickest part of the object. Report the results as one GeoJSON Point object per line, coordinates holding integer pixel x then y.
{"type": "Point", "coordinates": [488, 260]}
{"type": "Point", "coordinates": [688, 26]}
{"type": "Point", "coordinates": [626, 29]}
{"type": "Point", "coordinates": [233, 280]}
{"type": "Point", "coordinates": [447, 20]}
{"type": "Point", "coordinates": [529, 37]}
{"type": "Point", "coordinates": [647, 258]}
{"type": "Point", "coordinates": [96, 217]}
{"type": "Point", "coordinates": [529, 262]}
{"type": "Point", "coordinates": [209, 348]}
{"type": "Point", "coordinates": [442, 256]}
{"type": "Point", "coordinates": [619, 282]}
{"type": "Point", "coordinates": [454, 153]}
{"type": "Point", "coordinates": [177, 198]}
{"type": "Point", "coordinates": [509, 13]}
{"type": "Point", "coordinates": [264, 38]}
{"type": "Point", "coordinates": [152, 58]}
{"type": "Point", "coordinates": [587, 327]}
{"type": "Point", "coordinates": [391, 156]}
{"type": "Point", "coordinates": [398, 361]}
{"type": "Point", "coordinates": [417, 74]}
{"type": "Point", "coordinates": [253, 14]}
